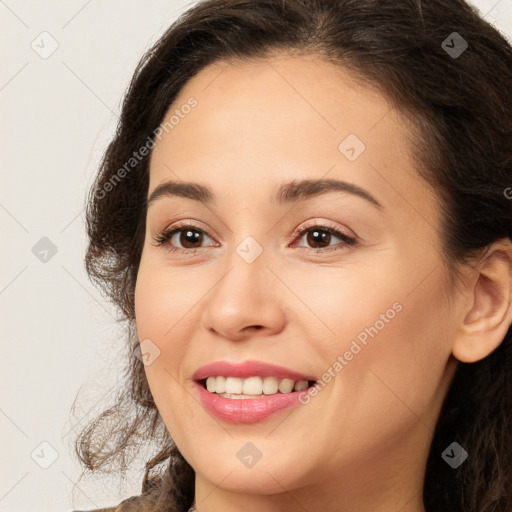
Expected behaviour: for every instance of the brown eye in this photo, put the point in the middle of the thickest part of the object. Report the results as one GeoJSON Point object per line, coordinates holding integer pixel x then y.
{"type": "Point", "coordinates": [182, 238]}
{"type": "Point", "coordinates": [320, 237]}
{"type": "Point", "coordinates": [189, 238]}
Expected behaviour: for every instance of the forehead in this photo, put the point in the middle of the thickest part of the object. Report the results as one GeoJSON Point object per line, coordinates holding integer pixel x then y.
{"type": "Point", "coordinates": [283, 96]}
{"type": "Point", "coordinates": [259, 123]}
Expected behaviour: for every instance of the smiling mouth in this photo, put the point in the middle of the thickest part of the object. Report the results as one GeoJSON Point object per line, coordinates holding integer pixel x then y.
{"type": "Point", "coordinates": [252, 387]}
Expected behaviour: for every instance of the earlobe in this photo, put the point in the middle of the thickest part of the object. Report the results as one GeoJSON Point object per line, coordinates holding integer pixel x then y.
{"type": "Point", "coordinates": [485, 324]}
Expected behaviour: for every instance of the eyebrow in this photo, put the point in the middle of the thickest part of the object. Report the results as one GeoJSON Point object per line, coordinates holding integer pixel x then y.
{"type": "Point", "coordinates": [292, 191]}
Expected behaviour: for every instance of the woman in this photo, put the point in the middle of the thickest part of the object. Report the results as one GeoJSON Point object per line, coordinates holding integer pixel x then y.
{"type": "Point", "coordinates": [305, 219]}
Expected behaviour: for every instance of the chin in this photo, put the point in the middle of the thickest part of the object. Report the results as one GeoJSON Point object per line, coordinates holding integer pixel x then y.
{"type": "Point", "coordinates": [271, 474]}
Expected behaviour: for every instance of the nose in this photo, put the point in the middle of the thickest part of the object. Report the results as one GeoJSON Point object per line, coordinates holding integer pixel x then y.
{"type": "Point", "coordinates": [248, 300]}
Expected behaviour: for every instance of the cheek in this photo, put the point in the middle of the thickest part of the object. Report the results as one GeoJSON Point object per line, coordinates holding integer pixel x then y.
{"type": "Point", "coordinates": [164, 299]}
{"type": "Point", "coordinates": [349, 307]}
{"type": "Point", "coordinates": [162, 302]}
{"type": "Point", "coordinates": [162, 322]}
{"type": "Point", "coordinates": [389, 345]}
{"type": "Point", "coordinates": [402, 364]}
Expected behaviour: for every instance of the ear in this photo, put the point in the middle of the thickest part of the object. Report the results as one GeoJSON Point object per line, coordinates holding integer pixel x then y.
{"type": "Point", "coordinates": [488, 313]}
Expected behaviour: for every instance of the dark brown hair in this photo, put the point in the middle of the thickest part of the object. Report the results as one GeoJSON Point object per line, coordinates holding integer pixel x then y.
{"type": "Point", "coordinates": [460, 108]}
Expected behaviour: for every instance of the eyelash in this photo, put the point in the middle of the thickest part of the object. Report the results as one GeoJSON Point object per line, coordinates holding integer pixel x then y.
{"type": "Point", "coordinates": [168, 233]}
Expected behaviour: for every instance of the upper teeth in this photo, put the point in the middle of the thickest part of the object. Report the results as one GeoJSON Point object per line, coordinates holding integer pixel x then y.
{"type": "Point", "coordinates": [253, 385]}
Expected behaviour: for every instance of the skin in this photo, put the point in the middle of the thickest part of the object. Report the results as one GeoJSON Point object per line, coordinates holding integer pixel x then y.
{"type": "Point", "coordinates": [363, 441]}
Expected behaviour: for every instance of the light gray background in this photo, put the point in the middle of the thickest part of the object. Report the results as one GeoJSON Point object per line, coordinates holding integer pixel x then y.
{"type": "Point", "coordinates": [58, 113]}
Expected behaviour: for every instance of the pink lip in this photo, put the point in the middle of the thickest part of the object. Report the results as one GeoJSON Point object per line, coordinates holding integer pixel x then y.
{"type": "Point", "coordinates": [247, 410]}
{"type": "Point", "coordinates": [248, 369]}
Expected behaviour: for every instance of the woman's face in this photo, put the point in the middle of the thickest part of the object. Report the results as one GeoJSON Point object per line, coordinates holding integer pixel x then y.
{"type": "Point", "coordinates": [368, 319]}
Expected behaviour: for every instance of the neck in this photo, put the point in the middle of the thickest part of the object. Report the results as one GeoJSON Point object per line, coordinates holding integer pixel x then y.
{"type": "Point", "coordinates": [415, 504]}
{"type": "Point", "coordinates": [291, 502]}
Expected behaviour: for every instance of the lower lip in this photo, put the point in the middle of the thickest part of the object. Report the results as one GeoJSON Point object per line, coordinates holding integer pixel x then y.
{"type": "Point", "coordinates": [246, 410]}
